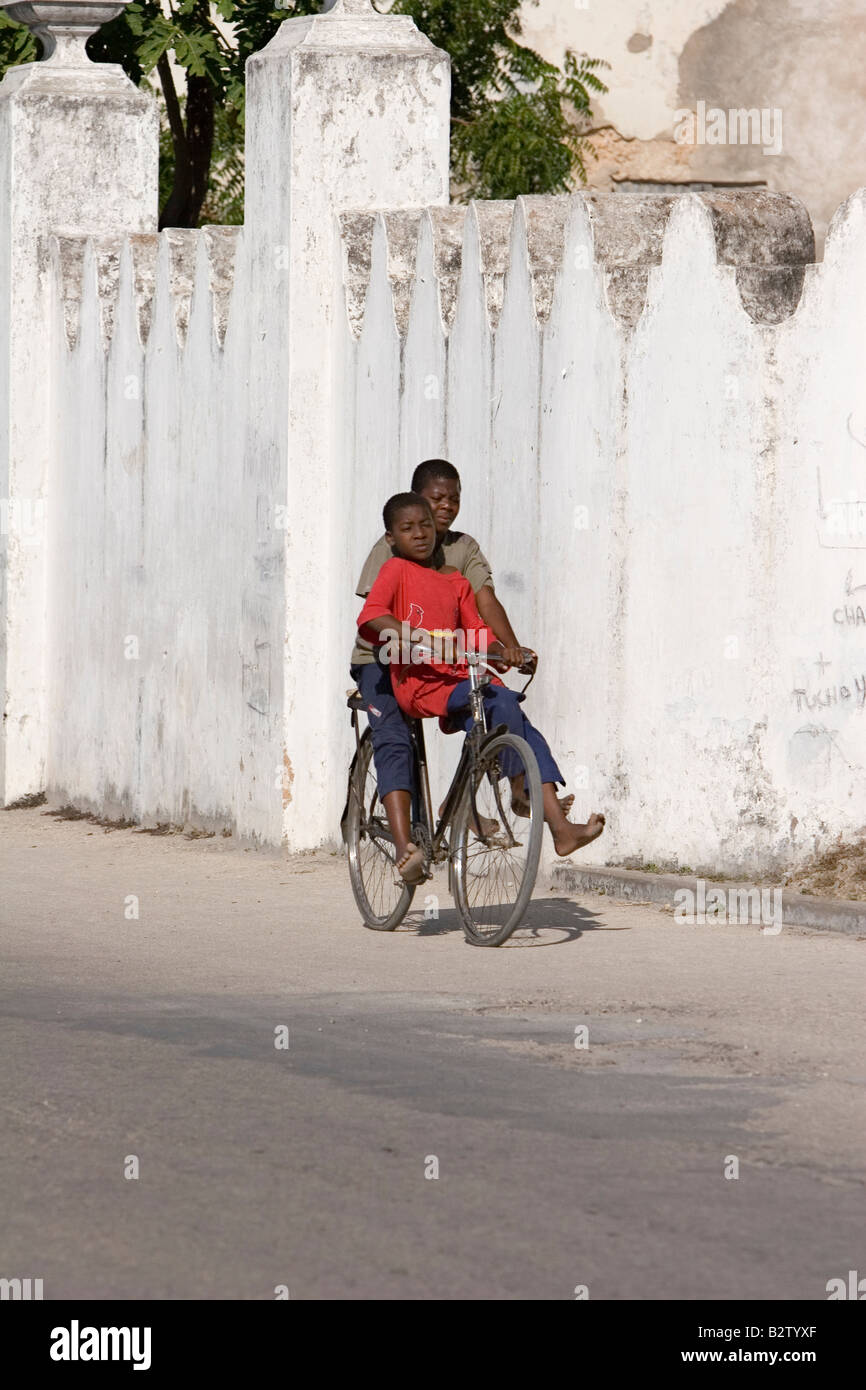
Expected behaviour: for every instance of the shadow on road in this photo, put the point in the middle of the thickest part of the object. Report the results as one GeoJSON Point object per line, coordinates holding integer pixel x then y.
{"type": "Point", "coordinates": [548, 922]}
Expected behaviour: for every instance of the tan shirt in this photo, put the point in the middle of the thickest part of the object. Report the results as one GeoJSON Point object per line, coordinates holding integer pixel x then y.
{"type": "Point", "coordinates": [456, 548]}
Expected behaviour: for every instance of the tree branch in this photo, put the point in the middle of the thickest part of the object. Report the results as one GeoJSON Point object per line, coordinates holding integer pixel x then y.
{"type": "Point", "coordinates": [172, 105]}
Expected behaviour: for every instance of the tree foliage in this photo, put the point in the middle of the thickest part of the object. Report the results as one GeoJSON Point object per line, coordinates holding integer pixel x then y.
{"type": "Point", "coordinates": [202, 153]}
{"type": "Point", "coordinates": [17, 44]}
{"type": "Point", "coordinates": [517, 121]}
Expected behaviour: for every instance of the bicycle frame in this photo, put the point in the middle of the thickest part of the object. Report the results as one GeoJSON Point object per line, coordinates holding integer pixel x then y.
{"type": "Point", "coordinates": [474, 821]}
{"type": "Point", "coordinates": [479, 734]}
{"type": "Point", "coordinates": [475, 740]}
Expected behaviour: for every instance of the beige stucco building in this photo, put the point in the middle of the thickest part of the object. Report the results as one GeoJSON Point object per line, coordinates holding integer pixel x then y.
{"type": "Point", "coordinates": [791, 70]}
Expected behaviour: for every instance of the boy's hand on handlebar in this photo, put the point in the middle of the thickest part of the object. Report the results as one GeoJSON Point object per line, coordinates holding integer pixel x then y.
{"type": "Point", "coordinates": [528, 663]}
{"type": "Point", "coordinates": [522, 658]}
{"type": "Point", "coordinates": [502, 658]}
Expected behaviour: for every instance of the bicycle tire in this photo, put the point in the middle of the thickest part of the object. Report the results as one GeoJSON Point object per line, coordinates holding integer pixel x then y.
{"type": "Point", "coordinates": [357, 831]}
{"type": "Point", "coordinates": [461, 870]}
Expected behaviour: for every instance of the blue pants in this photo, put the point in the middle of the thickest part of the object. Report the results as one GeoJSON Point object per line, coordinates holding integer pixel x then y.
{"type": "Point", "coordinates": [503, 707]}
{"type": "Point", "coordinates": [392, 742]}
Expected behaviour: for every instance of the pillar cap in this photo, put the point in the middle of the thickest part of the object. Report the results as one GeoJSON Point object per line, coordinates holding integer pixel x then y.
{"type": "Point", "coordinates": [349, 26]}
{"type": "Point", "coordinates": [64, 26]}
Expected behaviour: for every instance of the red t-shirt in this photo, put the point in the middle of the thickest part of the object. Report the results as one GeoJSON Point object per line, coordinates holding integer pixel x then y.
{"type": "Point", "coordinates": [423, 597]}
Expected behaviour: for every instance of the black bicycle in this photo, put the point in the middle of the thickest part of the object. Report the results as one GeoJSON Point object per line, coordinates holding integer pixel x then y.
{"type": "Point", "coordinates": [489, 833]}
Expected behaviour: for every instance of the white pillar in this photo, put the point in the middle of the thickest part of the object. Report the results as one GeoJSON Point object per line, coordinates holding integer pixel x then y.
{"type": "Point", "coordinates": [78, 153]}
{"type": "Point", "coordinates": [345, 110]}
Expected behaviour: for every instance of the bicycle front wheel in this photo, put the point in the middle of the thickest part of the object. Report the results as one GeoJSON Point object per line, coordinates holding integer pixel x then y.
{"type": "Point", "coordinates": [383, 898]}
{"type": "Point", "coordinates": [496, 841]}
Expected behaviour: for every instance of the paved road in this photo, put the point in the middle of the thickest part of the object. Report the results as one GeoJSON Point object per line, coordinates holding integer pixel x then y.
{"type": "Point", "coordinates": [153, 1037]}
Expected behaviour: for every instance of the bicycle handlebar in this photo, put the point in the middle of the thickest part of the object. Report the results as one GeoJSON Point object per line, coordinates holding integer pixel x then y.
{"type": "Point", "coordinates": [476, 659]}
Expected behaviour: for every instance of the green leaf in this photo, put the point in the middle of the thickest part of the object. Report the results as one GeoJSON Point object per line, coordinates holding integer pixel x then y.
{"type": "Point", "coordinates": [17, 44]}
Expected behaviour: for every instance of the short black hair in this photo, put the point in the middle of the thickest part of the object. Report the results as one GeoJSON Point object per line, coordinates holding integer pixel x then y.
{"type": "Point", "coordinates": [398, 503]}
{"type": "Point", "coordinates": [433, 468]}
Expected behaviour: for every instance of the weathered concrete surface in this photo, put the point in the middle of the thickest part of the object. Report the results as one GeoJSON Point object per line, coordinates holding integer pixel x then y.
{"type": "Point", "coordinates": [190, 600]}
{"type": "Point", "coordinates": [79, 154]}
{"type": "Point", "coordinates": [618, 379]}
{"type": "Point", "coordinates": [346, 110]}
{"type": "Point", "coordinates": [761, 234]}
{"type": "Point", "coordinates": [635, 389]}
{"type": "Point", "coordinates": [154, 1036]}
{"type": "Point", "coordinates": [144, 679]}
{"type": "Point", "coordinates": [732, 55]}
{"type": "Point", "coordinates": [626, 417]}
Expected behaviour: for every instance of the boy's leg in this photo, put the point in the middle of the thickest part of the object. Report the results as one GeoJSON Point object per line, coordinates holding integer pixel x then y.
{"type": "Point", "coordinates": [398, 808]}
{"type": "Point", "coordinates": [520, 801]}
{"type": "Point", "coordinates": [460, 716]}
{"type": "Point", "coordinates": [392, 756]}
{"type": "Point", "coordinates": [504, 708]}
{"type": "Point", "coordinates": [392, 742]}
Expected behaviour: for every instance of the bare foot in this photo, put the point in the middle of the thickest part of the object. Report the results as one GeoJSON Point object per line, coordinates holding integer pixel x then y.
{"type": "Point", "coordinates": [520, 804]}
{"type": "Point", "coordinates": [411, 866]}
{"type": "Point", "coordinates": [567, 838]}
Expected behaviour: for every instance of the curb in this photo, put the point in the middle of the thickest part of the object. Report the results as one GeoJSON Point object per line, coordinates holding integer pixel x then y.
{"type": "Point", "coordinates": [798, 909]}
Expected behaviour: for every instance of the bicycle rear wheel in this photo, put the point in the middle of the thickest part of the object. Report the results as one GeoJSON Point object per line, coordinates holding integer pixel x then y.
{"type": "Point", "coordinates": [383, 898]}
{"type": "Point", "coordinates": [493, 874]}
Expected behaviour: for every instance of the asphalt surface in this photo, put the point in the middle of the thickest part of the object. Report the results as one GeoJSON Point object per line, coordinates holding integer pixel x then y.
{"type": "Point", "coordinates": [152, 1038]}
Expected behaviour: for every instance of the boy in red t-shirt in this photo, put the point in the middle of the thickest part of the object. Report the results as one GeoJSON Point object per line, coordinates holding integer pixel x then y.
{"type": "Point", "coordinates": [408, 590]}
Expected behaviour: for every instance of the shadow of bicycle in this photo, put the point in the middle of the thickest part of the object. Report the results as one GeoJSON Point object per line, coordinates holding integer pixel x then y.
{"type": "Point", "coordinates": [548, 922]}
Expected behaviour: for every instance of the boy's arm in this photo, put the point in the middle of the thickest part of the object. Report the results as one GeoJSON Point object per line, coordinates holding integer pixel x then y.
{"type": "Point", "coordinates": [496, 618]}
{"type": "Point", "coordinates": [472, 621]}
{"type": "Point", "coordinates": [476, 568]}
